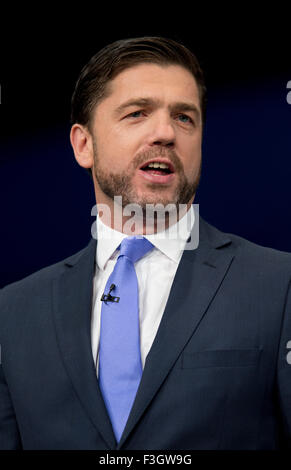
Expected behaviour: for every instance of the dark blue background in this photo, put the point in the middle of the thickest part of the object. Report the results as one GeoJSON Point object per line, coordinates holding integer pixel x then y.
{"type": "Point", "coordinates": [46, 198]}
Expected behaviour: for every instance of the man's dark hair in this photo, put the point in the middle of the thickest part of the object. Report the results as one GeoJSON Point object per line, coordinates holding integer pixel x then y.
{"type": "Point", "coordinates": [91, 86]}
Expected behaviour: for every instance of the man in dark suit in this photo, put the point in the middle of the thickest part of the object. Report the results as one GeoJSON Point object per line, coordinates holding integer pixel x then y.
{"type": "Point", "coordinates": [214, 318]}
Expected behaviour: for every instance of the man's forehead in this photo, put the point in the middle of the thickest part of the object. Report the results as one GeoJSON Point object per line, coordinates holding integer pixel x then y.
{"type": "Point", "coordinates": [154, 73]}
{"type": "Point", "coordinates": [153, 80]}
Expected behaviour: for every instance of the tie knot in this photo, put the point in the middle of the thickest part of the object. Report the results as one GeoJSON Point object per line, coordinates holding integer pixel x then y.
{"type": "Point", "coordinates": [135, 247]}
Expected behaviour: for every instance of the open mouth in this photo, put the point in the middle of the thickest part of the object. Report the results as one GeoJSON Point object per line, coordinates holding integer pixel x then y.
{"type": "Point", "coordinates": [158, 168]}
{"type": "Point", "coordinates": [158, 171]}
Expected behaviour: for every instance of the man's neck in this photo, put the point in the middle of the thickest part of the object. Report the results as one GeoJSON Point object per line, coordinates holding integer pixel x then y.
{"type": "Point", "coordinates": [137, 221]}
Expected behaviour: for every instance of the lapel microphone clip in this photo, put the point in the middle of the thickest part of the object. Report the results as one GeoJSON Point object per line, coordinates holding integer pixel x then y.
{"type": "Point", "coordinates": [108, 297]}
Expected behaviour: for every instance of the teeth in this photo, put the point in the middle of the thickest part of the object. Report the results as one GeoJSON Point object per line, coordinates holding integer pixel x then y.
{"type": "Point", "coordinates": [158, 165]}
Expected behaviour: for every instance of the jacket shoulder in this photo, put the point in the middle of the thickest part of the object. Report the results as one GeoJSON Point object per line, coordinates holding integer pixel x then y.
{"type": "Point", "coordinates": [244, 249]}
{"type": "Point", "coordinates": [44, 275]}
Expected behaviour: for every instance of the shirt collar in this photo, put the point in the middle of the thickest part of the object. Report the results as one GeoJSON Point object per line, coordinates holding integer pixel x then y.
{"type": "Point", "coordinates": [171, 241]}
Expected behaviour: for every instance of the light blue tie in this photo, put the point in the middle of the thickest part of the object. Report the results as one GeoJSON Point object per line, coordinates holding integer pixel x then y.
{"type": "Point", "coordinates": [120, 366]}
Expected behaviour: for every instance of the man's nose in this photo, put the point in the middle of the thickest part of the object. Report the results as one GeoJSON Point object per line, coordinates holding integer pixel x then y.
{"type": "Point", "coordinates": [162, 131]}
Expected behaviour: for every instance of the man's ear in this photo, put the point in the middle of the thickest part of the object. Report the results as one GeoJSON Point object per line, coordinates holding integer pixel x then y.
{"type": "Point", "coordinates": [81, 141]}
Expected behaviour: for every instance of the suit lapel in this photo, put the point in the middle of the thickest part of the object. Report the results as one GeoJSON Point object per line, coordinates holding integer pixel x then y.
{"type": "Point", "coordinates": [200, 271]}
{"type": "Point", "coordinates": [72, 294]}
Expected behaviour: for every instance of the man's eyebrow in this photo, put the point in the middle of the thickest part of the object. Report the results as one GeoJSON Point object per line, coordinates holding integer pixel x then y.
{"type": "Point", "coordinates": [178, 106]}
{"type": "Point", "coordinates": [135, 102]}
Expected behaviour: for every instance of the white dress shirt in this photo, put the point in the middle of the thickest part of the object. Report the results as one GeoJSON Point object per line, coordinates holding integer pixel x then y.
{"type": "Point", "coordinates": [155, 274]}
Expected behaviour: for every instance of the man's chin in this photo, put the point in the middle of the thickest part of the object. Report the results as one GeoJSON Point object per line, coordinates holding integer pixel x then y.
{"type": "Point", "coordinates": [155, 198]}
{"type": "Point", "coordinates": [147, 204]}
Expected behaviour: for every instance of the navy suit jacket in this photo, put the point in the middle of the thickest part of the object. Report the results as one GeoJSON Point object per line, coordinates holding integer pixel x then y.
{"type": "Point", "coordinates": [216, 377]}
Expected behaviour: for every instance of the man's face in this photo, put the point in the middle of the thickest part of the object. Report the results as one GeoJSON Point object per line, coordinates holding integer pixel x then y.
{"type": "Point", "coordinates": [152, 113]}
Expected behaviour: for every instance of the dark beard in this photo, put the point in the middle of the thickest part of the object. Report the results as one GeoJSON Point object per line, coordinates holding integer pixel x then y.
{"type": "Point", "coordinates": [113, 184]}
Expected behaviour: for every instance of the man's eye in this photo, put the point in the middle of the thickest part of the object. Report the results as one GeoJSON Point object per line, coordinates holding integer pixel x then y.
{"type": "Point", "coordinates": [135, 114]}
{"type": "Point", "coordinates": [185, 118]}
